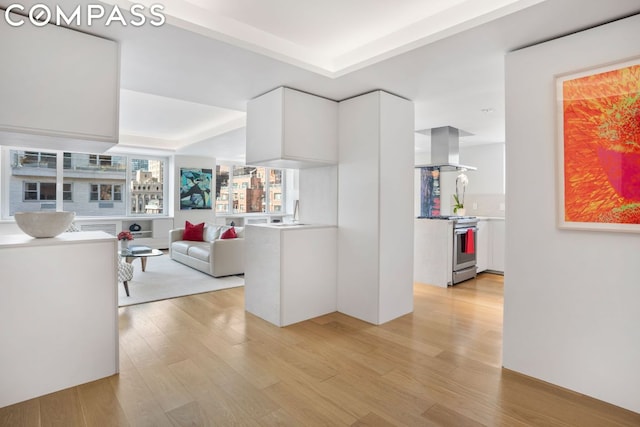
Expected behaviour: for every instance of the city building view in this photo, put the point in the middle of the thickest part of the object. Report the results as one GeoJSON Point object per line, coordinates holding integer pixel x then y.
{"type": "Point", "coordinates": [91, 184]}
{"type": "Point", "coordinates": [245, 189]}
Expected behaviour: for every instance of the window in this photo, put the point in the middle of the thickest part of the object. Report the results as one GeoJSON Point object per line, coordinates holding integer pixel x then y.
{"type": "Point", "coordinates": [98, 160]}
{"type": "Point", "coordinates": [99, 182]}
{"type": "Point", "coordinates": [222, 188]}
{"type": "Point", "coordinates": [245, 189]}
{"type": "Point", "coordinates": [105, 192]}
{"type": "Point", "coordinates": [67, 192]}
{"type": "Point", "coordinates": [37, 191]}
{"type": "Point", "coordinates": [36, 159]}
{"type": "Point", "coordinates": [275, 190]}
{"type": "Point", "coordinates": [147, 186]}
{"type": "Point", "coordinates": [92, 184]}
{"type": "Point", "coordinates": [251, 187]}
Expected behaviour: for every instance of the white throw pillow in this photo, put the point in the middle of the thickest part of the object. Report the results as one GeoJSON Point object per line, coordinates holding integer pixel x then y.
{"type": "Point", "coordinates": [240, 232]}
{"type": "Point", "coordinates": [211, 232]}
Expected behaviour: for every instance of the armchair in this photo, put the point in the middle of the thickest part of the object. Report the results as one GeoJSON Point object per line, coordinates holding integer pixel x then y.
{"type": "Point", "coordinates": [125, 273]}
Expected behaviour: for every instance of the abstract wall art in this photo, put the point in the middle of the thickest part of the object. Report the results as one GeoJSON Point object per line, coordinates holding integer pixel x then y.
{"type": "Point", "coordinates": [195, 188]}
{"type": "Point", "coordinates": [599, 148]}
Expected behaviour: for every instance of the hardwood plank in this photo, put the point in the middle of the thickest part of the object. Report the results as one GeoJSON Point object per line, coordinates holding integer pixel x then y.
{"type": "Point", "coordinates": [165, 387]}
{"type": "Point", "coordinates": [23, 414]}
{"type": "Point", "coordinates": [277, 418]}
{"type": "Point", "coordinates": [100, 405]}
{"type": "Point", "coordinates": [210, 400]}
{"type": "Point", "coordinates": [374, 420]}
{"type": "Point", "coordinates": [137, 401]}
{"type": "Point", "coordinates": [441, 415]}
{"type": "Point", "coordinates": [190, 414]}
{"type": "Point", "coordinates": [307, 407]}
{"type": "Point", "coordinates": [392, 400]}
{"type": "Point", "coordinates": [62, 409]}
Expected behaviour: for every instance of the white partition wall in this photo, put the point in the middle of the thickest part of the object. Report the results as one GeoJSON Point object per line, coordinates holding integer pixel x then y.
{"type": "Point", "coordinates": [319, 195]}
{"type": "Point", "coordinates": [572, 298]}
{"type": "Point", "coordinates": [58, 313]}
{"type": "Point", "coordinates": [375, 207]}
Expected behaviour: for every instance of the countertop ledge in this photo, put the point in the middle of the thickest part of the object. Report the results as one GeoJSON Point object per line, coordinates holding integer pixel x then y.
{"type": "Point", "coordinates": [286, 226]}
{"type": "Point", "coordinates": [23, 240]}
{"type": "Point", "coordinates": [480, 218]}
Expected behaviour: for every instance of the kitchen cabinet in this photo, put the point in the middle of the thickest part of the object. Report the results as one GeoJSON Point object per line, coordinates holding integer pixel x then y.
{"type": "Point", "coordinates": [497, 245]}
{"type": "Point", "coordinates": [490, 245]}
{"type": "Point", "coordinates": [287, 128]}
{"type": "Point", "coordinates": [290, 272]}
{"type": "Point", "coordinates": [483, 246]}
{"type": "Point", "coordinates": [58, 311]}
{"type": "Point", "coordinates": [59, 89]}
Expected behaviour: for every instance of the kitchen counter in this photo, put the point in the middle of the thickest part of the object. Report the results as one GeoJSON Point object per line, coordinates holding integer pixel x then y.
{"type": "Point", "coordinates": [290, 271]}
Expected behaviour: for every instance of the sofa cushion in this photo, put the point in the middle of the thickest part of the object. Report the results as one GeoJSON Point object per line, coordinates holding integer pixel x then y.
{"type": "Point", "coordinates": [181, 246]}
{"type": "Point", "coordinates": [193, 232]}
{"type": "Point", "coordinates": [200, 252]}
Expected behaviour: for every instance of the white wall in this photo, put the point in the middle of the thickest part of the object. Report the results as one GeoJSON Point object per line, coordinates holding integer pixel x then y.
{"type": "Point", "coordinates": [572, 298]}
{"type": "Point", "coordinates": [489, 159]}
{"type": "Point", "coordinates": [485, 193]}
{"type": "Point", "coordinates": [197, 215]}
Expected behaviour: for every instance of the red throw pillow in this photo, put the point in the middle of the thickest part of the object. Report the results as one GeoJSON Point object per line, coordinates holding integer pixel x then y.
{"type": "Point", "coordinates": [193, 232]}
{"type": "Point", "coordinates": [229, 234]}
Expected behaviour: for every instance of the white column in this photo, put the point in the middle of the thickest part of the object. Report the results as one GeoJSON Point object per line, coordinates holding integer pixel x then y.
{"type": "Point", "coordinates": [375, 207]}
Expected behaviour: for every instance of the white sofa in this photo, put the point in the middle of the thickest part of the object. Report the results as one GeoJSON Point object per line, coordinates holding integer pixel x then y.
{"type": "Point", "coordinates": [213, 256]}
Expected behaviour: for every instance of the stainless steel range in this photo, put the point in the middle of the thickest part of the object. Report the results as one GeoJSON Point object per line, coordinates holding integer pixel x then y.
{"type": "Point", "coordinates": [465, 230]}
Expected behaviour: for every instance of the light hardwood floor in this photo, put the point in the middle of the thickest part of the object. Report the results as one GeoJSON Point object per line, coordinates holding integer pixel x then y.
{"type": "Point", "coordinates": [202, 361]}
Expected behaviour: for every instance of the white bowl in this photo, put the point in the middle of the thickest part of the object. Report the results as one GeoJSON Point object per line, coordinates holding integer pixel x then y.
{"type": "Point", "coordinates": [44, 224]}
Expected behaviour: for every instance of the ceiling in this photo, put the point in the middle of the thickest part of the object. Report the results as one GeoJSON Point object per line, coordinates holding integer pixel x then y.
{"type": "Point", "coordinates": [185, 84]}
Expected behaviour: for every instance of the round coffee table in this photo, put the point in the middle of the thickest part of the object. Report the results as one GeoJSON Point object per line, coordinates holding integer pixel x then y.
{"type": "Point", "coordinates": [129, 257]}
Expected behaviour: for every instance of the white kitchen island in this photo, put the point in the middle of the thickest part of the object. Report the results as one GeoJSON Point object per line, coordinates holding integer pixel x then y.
{"type": "Point", "coordinates": [58, 313]}
{"type": "Point", "coordinates": [290, 272]}
{"type": "Point", "coordinates": [433, 252]}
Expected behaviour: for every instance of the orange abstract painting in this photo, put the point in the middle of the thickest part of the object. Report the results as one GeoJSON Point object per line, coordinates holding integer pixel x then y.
{"type": "Point", "coordinates": [601, 146]}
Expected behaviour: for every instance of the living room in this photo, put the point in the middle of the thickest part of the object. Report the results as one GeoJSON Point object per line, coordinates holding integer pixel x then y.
{"type": "Point", "coordinates": [529, 289]}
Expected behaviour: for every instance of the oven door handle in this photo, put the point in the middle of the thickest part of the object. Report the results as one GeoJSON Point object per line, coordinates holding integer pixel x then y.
{"type": "Point", "coordinates": [464, 230]}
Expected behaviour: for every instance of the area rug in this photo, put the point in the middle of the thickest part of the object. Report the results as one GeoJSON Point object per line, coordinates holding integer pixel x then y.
{"type": "Point", "coordinates": [165, 278]}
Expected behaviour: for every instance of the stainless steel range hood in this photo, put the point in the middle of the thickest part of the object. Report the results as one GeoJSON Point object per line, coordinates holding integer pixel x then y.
{"type": "Point", "coordinates": [445, 150]}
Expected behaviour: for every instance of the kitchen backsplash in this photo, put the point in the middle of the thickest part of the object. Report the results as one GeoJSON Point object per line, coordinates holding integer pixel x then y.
{"type": "Point", "coordinates": [484, 205]}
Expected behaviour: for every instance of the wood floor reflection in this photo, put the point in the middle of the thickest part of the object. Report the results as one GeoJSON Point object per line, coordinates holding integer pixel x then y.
{"type": "Point", "coordinates": [203, 361]}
